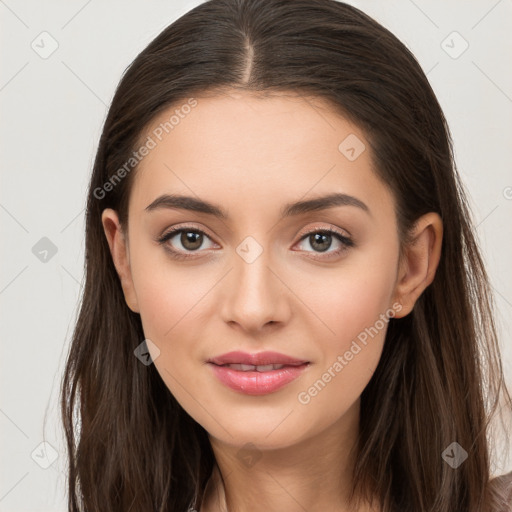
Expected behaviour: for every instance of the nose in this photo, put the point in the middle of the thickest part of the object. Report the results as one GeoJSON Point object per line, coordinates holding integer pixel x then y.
{"type": "Point", "coordinates": [255, 296]}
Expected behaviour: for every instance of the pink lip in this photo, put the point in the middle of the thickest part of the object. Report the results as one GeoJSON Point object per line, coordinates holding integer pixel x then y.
{"type": "Point", "coordinates": [255, 382]}
{"type": "Point", "coordinates": [260, 358]}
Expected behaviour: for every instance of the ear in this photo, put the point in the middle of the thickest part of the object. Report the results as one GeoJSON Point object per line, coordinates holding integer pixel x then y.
{"type": "Point", "coordinates": [420, 261]}
{"type": "Point", "coordinates": [120, 255]}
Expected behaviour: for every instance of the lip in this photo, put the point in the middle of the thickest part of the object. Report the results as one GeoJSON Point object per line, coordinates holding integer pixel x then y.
{"type": "Point", "coordinates": [260, 358]}
{"type": "Point", "coordinates": [255, 382]}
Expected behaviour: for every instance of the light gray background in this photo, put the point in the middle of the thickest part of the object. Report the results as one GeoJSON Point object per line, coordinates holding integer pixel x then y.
{"type": "Point", "coordinates": [52, 110]}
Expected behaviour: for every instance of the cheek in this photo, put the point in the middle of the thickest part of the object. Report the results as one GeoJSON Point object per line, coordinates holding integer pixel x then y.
{"type": "Point", "coordinates": [357, 312]}
{"type": "Point", "coordinates": [169, 295]}
{"type": "Point", "coordinates": [347, 300]}
{"type": "Point", "coordinates": [171, 301]}
{"type": "Point", "coordinates": [164, 304]}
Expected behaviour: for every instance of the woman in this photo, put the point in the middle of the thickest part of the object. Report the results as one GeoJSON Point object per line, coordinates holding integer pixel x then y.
{"type": "Point", "coordinates": [285, 305]}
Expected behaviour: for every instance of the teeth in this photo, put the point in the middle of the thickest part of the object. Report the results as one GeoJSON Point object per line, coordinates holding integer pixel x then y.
{"type": "Point", "coordinates": [250, 367]}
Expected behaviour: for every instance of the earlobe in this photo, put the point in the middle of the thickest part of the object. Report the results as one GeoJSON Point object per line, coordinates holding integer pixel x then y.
{"type": "Point", "coordinates": [120, 255]}
{"type": "Point", "coordinates": [420, 261]}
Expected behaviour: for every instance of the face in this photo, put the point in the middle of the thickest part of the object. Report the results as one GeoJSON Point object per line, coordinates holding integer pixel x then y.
{"type": "Point", "coordinates": [317, 284]}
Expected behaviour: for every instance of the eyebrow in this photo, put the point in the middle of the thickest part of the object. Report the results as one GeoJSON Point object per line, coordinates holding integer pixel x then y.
{"type": "Point", "coordinates": [177, 201]}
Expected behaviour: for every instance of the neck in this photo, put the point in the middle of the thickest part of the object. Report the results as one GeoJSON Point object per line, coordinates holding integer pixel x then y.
{"type": "Point", "coordinates": [313, 474]}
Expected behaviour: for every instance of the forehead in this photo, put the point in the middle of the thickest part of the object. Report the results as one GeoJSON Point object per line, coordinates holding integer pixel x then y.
{"type": "Point", "coordinates": [243, 149]}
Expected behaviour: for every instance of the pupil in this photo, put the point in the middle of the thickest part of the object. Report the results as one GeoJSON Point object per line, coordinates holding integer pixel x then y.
{"type": "Point", "coordinates": [318, 238]}
{"type": "Point", "coordinates": [189, 237]}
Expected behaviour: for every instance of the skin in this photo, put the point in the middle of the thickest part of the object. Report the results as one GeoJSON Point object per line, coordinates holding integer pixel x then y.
{"type": "Point", "coordinates": [251, 156]}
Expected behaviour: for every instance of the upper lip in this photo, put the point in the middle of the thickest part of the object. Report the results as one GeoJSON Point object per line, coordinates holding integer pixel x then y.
{"type": "Point", "coordinates": [260, 358]}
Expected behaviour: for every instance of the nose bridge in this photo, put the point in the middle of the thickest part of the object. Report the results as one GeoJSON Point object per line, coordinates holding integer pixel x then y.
{"type": "Point", "coordinates": [255, 292]}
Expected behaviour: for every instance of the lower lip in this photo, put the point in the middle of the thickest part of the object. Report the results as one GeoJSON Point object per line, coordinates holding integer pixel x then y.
{"type": "Point", "coordinates": [257, 383]}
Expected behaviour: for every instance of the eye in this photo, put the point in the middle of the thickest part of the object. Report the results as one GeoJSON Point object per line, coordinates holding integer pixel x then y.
{"type": "Point", "coordinates": [321, 241]}
{"type": "Point", "coordinates": [190, 238]}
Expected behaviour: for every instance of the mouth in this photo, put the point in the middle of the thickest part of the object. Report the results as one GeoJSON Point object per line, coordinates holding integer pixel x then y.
{"type": "Point", "coordinates": [256, 368]}
{"type": "Point", "coordinates": [256, 374]}
{"type": "Point", "coordinates": [258, 359]}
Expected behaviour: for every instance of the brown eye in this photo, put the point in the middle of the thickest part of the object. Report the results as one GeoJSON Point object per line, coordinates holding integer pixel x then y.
{"type": "Point", "coordinates": [190, 239]}
{"type": "Point", "coordinates": [321, 241]}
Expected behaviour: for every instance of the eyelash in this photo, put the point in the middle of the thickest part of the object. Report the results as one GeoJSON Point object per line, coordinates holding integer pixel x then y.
{"type": "Point", "coordinates": [345, 241]}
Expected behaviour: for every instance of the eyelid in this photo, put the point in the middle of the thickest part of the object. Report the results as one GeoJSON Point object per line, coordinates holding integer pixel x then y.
{"type": "Point", "coordinates": [343, 233]}
{"type": "Point", "coordinates": [177, 228]}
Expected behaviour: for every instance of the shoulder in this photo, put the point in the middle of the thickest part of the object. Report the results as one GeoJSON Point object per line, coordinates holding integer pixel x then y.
{"type": "Point", "coordinates": [500, 493]}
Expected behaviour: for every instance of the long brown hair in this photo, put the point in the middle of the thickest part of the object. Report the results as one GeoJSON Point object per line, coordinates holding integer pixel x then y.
{"type": "Point", "coordinates": [131, 446]}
